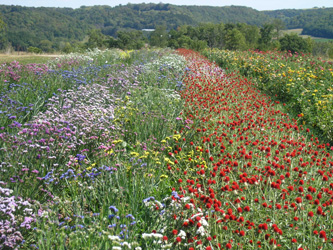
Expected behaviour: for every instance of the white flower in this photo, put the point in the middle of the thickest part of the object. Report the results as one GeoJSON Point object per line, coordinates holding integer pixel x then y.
{"type": "Point", "coordinates": [167, 246]}
{"type": "Point", "coordinates": [151, 235]}
{"type": "Point", "coordinates": [182, 234]}
{"type": "Point", "coordinates": [198, 214]}
{"type": "Point", "coordinates": [126, 244]}
{"type": "Point", "coordinates": [113, 237]}
{"type": "Point", "coordinates": [203, 222]}
{"type": "Point", "coordinates": [184, 199]}
{"type": "Point", "coordinates": [201, 231]}
{"type": "Point", "coordinates": [116, 248]}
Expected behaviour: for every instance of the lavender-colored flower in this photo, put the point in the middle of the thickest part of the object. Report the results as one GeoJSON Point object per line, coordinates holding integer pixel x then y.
{"type": "Point", "coordinates": [130, 216]}
{"type": "Point", "coordinates": [115, 210]}
{"type": "Point", "coordinates": [149, 199]}
{"type": "Point", "coordinates": [174, 194]}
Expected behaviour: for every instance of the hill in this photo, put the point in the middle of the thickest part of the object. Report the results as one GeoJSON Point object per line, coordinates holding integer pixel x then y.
{"type": "Point", "coordinates": [317, 22]}
{"type": "Point", "coordinates": [29, 26]}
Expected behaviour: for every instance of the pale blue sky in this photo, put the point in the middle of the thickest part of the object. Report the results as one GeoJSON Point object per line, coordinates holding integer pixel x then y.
{"type": "Point", "coordinates": [256, 4]}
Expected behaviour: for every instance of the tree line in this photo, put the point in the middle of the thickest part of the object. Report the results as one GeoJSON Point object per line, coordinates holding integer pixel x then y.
{"type": "Point", "coordinates": [229, 36]}
{"type": "Point", "coordinates": [56, 28]}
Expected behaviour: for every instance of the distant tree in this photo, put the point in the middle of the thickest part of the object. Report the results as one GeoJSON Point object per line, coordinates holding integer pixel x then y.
{"type": "Point", "coordinates": [173, 39]}
{"type": "Point", "coordinates": [184, 42]}
{"type": "Point", "coordinates": [234, 40]}
{"type": "Point", "coordinates": [96, 39]}
{"type": "Point", "coordinates": [34, 50]}
{"type": "Point", "coordinates": [159, 37]}
{"type": "Point", "coordinates": [128, 40]}
{"type": "Point", "coordinates": [67, 48]}
{"type": "Point", "coordinates": [211, 33]}
{"type": "Point", "coordinates": [46, 46]}
{"type": "Point", "coordinates": [266, 35]}
{"type": "Point", "coordinates": [198, 45]}
{"type": "Point", "coordinates": [251, 34]}
{"type": "Point", "coordinates": [294, 43]}
{"type": "Point", "coordinates": [3, 38]}
{"type": "Point", "coordinates": [278, 25]}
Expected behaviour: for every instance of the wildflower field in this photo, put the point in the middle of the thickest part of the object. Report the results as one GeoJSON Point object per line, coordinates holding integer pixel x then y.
{"type": "Point", "coordinates": [156, 149]}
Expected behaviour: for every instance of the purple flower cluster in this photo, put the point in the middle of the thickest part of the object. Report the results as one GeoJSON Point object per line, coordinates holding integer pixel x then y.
{"type": "Point", "coordinates": [16, 215]}
{"type": "Point", "coordinates": [12, 72]}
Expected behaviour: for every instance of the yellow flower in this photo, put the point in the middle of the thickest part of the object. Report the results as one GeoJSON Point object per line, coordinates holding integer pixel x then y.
{"type": "Point", "coordinates": [134, 154]}
{"type": "Point", "coordinates": [110, 152]}
{"type": "Point", "coordinates": [176, 137]}
{"type": "Point", "coordinates": [163, 176]}
{"type": "Point", "coordinates": [117, 141]}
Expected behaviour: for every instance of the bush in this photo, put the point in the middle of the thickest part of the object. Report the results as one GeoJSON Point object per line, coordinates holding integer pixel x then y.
{"type": "Point", "coordinates": [34, 50]}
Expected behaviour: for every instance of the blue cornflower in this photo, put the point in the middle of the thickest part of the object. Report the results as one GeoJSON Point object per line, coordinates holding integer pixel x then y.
{"type": "Point", "coordinates": [114, 209]}
{"type": "Point", "coordinates": [149, 199]}
{"type": "Point", "coordinates": [174, 194]}
{"type": "Point", "coordinates": [130, 216]}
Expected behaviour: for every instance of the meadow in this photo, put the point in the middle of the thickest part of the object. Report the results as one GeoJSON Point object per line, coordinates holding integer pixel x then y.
{"type": "Point", "coordinates": [160, 149]}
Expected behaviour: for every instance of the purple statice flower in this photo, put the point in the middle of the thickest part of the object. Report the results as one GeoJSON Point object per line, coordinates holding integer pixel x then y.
{"type": "Point", "coordinates": [15, 214]}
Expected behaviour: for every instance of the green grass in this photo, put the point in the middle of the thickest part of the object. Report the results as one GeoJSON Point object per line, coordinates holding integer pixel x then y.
{"type": "Point", "coordinates": [25, 58]}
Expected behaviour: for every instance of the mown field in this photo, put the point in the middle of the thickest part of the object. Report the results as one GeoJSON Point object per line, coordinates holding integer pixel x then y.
{"type": "Point", "coordinates": [163, 149]}
{"type": "Point", "coordinates": [26, 58]}
{"type": "Point", "coordinates": [299, 32]}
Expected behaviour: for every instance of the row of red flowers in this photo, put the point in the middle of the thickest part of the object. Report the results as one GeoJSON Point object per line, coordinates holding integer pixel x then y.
{"type": "Point", "coordinates": [247, 175]}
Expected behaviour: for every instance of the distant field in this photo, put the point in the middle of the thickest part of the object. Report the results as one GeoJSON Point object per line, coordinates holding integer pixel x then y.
{"type": "Point", "coordinates": [299, 32]}
{"type": "Point", "coordinates": [25, 58]}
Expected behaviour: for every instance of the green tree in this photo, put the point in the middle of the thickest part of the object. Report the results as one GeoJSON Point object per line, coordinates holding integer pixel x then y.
{"type": "Point", "coordinates": [128, 40]}
{"type": "Point", "coordinates": [184, 42]}
{"type": "Point", "coordinates": [266, 35]}
{"type": "Point", "coordinates": [234, 40]}
{"type": "Point", "coordinates": [67, 48]}
{"type": "Point", "coordinates": [211, 33]}
{"type": "Point", "coordinates": [3, 38]}
{"type": "Point", "coordinates": [46, 46]}
{"type": "Point", "coordinates": [294, 43]}
{"type": "Point", "coordinates": [278, 25]}
{"type": "Point", "coordinates": [96, 39]}
{"type": "Point", "coordinates": [251, 34]}
{"type": "Point", "coordinates": [159, 37]}
{"type": "Point", "coordinates": [173, 39]}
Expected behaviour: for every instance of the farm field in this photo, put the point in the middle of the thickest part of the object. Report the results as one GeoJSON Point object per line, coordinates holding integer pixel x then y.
{"type": "Point", "coordinates": [26, 58]}
{"type": "Point", "coordinates": [164, 149]}
{"type": "Point", "coordinates": [299, 32]}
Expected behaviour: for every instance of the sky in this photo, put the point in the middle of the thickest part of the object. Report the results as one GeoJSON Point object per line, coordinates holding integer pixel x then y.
{"type": "Point", "coordinates": [256, 4]}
